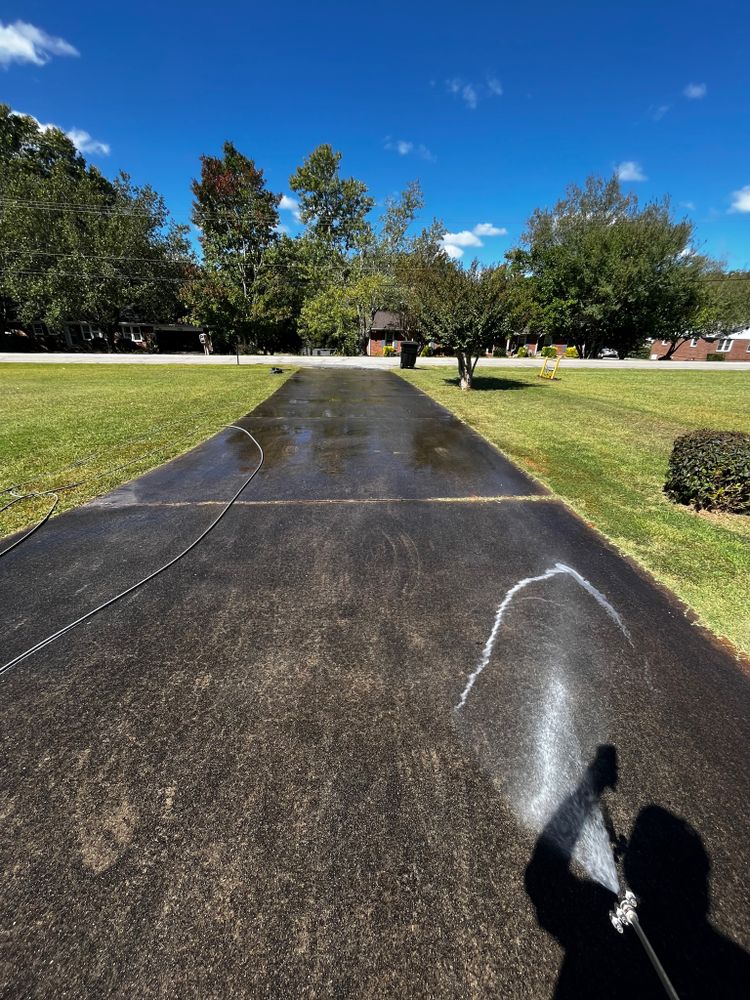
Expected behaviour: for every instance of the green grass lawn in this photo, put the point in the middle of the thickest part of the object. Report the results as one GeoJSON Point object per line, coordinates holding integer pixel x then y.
{"type": "Point", "coordinates": [601, 441]}
{"type": "Point", "coordinates": [101, 417]}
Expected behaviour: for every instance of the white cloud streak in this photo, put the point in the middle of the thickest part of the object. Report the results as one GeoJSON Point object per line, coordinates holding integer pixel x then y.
{"type": "Point", "coordinates": [21, 42]}
{"type": "Point", "coordinates": [454, 243]}
{"type": "Point", "coordinates": [741, 200]}
{"type": "Point", "coordinates": [405, 147]}
{"type": "Point", "coordinates": [487, 229]}
{"type": "Point", "coordinates": [85, 143]}
{"type": "Point", "coordinates": [288, 204]}
{"type": "Point", "coordinates": [695, 91]}
{"type": "Point", "coordinates": [629, 170]}
{"type": "Point", "coordinates": [471, 93]}
{"type": "Point", "coordinates": [82, 140]}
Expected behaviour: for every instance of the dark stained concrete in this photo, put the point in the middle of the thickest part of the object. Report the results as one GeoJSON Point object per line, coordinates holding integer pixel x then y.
{"type": "Point", "coordinates": [248, 780]}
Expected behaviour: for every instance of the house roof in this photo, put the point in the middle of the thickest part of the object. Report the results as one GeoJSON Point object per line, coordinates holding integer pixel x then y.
{"type": "Point", "coordinates": [384, 319]}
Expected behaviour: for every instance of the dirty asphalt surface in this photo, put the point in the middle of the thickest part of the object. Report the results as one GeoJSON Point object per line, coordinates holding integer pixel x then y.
{"type": "Point", "coordinates": [249, 779]}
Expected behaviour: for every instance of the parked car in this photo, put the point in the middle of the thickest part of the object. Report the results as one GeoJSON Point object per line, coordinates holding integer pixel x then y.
{"type": "Point", "coordinates": [607, 353]}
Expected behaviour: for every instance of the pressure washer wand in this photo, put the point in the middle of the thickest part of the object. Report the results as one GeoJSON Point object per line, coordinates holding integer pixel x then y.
{"type": "Point", "coordinates": [625, 915]}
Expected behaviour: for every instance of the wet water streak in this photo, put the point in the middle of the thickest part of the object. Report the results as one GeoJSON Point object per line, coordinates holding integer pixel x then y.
{"type": "Point", "coordinates": [556, 570]}
{"type": "Point", "coordinates": [555, 773]}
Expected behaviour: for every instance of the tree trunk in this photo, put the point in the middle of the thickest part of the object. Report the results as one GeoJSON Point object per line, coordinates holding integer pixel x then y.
{"type": "Point", "coordinates": [465, 370]}
{"type": "Point", "coordinates": [673, 345]}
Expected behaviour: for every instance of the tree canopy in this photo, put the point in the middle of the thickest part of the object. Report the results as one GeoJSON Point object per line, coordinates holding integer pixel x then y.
{"type": "Point", "coordinates": [609, 273]}
{"type": "Point", "coordinates": [596, 270]}
{"type": "Point", "coordinates": [75, 245]}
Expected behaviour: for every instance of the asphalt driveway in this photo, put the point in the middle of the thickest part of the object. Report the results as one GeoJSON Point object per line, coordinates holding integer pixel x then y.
{"type": "Point", "coordinates": [250, 779]}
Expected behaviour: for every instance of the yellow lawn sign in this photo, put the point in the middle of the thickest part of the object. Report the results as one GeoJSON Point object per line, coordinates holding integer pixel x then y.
{"type": "Point", "coordinates": [549, 367]}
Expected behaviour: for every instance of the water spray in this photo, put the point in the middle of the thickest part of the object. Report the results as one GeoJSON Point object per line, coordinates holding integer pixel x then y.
{"type": "Point", "coordinates": [624, 915]}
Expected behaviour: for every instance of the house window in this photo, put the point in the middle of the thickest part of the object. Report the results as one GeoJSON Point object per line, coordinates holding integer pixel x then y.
{"type": "Point", "coordinates": [133, 333]}
{"type": "Point", "coordinates": [748, 348]}
{"type": "Point", "coordinates": [666, 343]}
{"type": "Point", "coordinates": [725, 345]}
{"type": "Point", "coordinates": [693, 341]}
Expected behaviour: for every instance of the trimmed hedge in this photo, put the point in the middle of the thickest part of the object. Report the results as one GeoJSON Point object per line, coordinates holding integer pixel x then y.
{"type": "Point", "coordinates": [548, 352]}
{"type": "Point", "coordinates": [711, 471]}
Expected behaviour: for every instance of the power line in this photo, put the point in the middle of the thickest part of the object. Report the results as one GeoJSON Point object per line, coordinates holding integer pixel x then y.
{"type": "Point", "coordinates": [92, 274]}
{"type": "Point", "coordinates": [42, 251]}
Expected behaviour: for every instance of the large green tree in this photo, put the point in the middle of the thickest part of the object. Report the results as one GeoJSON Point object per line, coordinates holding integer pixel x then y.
{"type": "Point", "coordinates": [465, 309]}
{"type": "Point", "coordinates": [334, 208]}
{"type": "Point", "coordinates": [238, 220]}
{"type": "Point", "coordinates": [607, 272]}
{"type": "Point", "coordinates": [77, 246]}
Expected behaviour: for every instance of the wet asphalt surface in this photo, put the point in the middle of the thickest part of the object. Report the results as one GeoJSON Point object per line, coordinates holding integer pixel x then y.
{"type": "Point", "coordinates": [248, 779]}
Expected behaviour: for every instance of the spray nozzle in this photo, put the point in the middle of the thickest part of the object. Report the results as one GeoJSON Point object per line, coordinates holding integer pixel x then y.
{"type": "Point", "coordinates": [624, 915]}
{"type": "Point", "coordinates": [624, 912]}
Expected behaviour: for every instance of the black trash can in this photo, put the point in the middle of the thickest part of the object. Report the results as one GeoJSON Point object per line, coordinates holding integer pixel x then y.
{"type": "Point", "coordinates": [409, 350]}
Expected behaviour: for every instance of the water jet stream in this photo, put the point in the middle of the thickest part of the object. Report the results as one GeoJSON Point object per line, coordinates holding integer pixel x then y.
{"type": "Point", "coordinates": [556, 570]}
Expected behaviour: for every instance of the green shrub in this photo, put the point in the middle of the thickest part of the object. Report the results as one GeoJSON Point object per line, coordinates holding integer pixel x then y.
{"type": "Point", "coordinates": [571, 352]}
{"type": "Point", "coordinates": [388, 351]}
{"type": "Point", "coordinates": [715, 357]}
{"type": "Point", "coordinates": [499, 352]}
{"type": "Point", "coordinates": [425, 352]}
{"type": "Point", "coordinates": [522, 352]}
{"type": "Point", "coordinates": [711, 471]}
{"type": "Point", "coordinates": [548, 352]}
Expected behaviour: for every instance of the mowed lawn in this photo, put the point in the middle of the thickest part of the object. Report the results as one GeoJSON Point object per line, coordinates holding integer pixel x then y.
{"type": "Point", "coordinates": [104, 424]}
{"type": "Point", "coordinates": [601, 441]}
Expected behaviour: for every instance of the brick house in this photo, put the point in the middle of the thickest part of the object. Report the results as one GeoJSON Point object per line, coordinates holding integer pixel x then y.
{"type": "Point", "coordinates": [386, 330]}
{"type": "Point", "coordinates": [733, 347]}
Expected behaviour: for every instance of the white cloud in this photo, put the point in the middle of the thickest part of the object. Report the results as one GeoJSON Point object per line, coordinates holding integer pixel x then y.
{"type": "Point", "coordinates": [695, 91]}
{"type": "Point", "coordinates": [404, 148]}
{"type": "Point", "coordinates": [452, 250]}
{"type": "Point", "coordinates": [689, 205]}
{"type": "Point", "coordinates": [471, 93]}
{"type": "Point", "coordinates": [741, 200]}
{"type": "Point", "coordinates": [288, 204]}
{"type": "Point", "coordinates": [23, 43]}
{"type": "Point", "coordinates": [81, 139]}
{"type": "Point", "coordinates": [659, 111]}
{"type": "Point", "coordinates": [454, 243]}
{"type": "Point", "coordinates": [84, 143]}
{"type": "Point", "coordinates": [487, 229]}
{"type": "Point", "coordinates": [629, 170]}
{"type": "Point", "coordinates": [463, 239]}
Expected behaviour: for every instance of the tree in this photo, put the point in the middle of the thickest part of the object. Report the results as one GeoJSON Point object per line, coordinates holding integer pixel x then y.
{"type": "Point", "coordinates": [238, 219]}
{"type": "Point", "coordinates": [724, 308]}
{"type": "Point", "coordinates": [77, 246]}
{"type": "Point", "coordinates": [606, 272]}
{"type": "Point", "coordinates": [334, 208]}
{"type": "Point", "coordinates": [329, 319]}
{"type": "Point", "coordinates": [464, 310]}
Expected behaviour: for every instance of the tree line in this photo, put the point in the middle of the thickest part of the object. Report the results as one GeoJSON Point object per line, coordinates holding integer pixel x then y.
{"type": "Point", "coordinates": [597, 270]}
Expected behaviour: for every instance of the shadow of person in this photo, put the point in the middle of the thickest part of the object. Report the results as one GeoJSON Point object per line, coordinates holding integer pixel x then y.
{"type": "Point", "coordinates": [598, 962]}
{"type": "Point", "coordinates": [666, 862]}
{"type": "Point", "coordinates": [667, 867]}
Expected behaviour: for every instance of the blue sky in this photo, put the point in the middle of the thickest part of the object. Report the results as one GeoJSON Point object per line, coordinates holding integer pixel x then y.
{"type": "Point", "coordinates": [495, 106]}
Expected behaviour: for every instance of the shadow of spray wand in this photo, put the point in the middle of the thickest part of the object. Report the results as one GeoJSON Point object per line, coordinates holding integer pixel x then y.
{"type": "Point", "coordinates": [624, 915]}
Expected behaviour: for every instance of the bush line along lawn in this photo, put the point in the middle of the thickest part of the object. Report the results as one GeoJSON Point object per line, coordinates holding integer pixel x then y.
{"type": "Point", "coordinates": [105, 416]}
{"type": "Point", "coordinates": [601, 441]}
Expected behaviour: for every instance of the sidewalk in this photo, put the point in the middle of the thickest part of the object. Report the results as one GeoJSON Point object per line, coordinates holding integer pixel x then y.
{"type": "Point", "coordinates": [355, 362]}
